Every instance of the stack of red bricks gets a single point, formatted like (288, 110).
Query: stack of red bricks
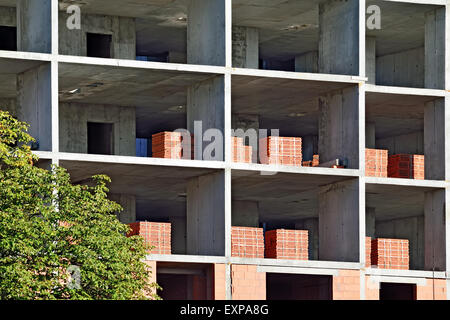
(409, 166)
(157, 235)
(170, 145)
(287, 244)
(247, 242)
(368, 252)
(239, 151)
(376, 163)
(314, 163)
(390, 253)
(285, 151)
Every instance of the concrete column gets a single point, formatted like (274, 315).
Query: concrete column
(177, 57)
(435, 243)
(128, 203)
(371, 59)
(435, 49)
(339, 126)
(206, 32)
(245, 47)
(307, 62)
(206, 215)
(178, 235)
(370, 135)
(370, 222)
(245, 214)
(247, 122)
(339, 221)
(34, 26)
(434, 140)
(34, 104)
(312, 225)
(309, 147)
(339, 37)
(206, 103)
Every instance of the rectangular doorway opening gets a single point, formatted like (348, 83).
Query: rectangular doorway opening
(397, 291)
(98, 45)
(298, 287)
(100, 138)
(8, 38)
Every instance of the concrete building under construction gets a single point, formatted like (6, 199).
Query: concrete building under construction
(354, 204)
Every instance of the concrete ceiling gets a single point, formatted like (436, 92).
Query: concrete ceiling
(395, 114)
(402, 26)
(160, 191)
(394, 202)
(7, 3)
(160, 96)
(282, 198)
(288, 105)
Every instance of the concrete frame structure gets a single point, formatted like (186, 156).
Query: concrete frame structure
(347, 72)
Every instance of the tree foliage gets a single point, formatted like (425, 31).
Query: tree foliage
(48, 227)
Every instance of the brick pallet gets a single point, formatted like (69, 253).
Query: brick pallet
(314, 163)
(408, 166)
(368, 252)
(287, 244)
(376, 163)
(170, 145)
(390, 253)
(239, 151)
(155, 234)
(247, 242)
(285, 151)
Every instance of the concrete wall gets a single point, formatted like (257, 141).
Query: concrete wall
(312, 225)
(34, 104)
(8, 17)
(403, 69)
(122, 29)
(245, 214)
(73, 119)
(307, 62)
(245, 47)
(128, 203)
(9, 105)
(434, 140)
(435, 49)
(407, 228)
(412, 143)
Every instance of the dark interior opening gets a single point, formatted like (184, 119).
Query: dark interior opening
(185, 281)
(397, 291)
(298, 287)
(8, 38)
(100, 138)
(99, 45)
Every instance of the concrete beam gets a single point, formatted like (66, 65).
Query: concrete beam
(34, 104)
(206, 32)
(339, 222)
(339, 126)
(178, 235)
(435, 49)
(434, 140)
(245, 47)
(435, 234)
(34, 25)
(206, 215)
(339, 37)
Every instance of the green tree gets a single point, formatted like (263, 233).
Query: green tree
(59, 240)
